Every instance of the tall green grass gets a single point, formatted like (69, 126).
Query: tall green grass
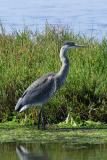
(25, 56)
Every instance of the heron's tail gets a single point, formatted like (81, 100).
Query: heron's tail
(19, 105)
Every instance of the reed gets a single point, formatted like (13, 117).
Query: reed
(25, 56)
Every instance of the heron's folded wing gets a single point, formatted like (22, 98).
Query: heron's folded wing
(40, 89)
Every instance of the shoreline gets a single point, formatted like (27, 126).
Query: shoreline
(16, 133)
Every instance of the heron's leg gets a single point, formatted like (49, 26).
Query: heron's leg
(43, 118)
(39, 118)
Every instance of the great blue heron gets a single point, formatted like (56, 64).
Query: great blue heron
(43, 88)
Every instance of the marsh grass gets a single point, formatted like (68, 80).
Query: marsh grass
(25, 56)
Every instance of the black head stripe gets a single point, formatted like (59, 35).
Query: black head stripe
(69, 43)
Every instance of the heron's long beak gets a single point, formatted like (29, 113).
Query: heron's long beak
(77, 46)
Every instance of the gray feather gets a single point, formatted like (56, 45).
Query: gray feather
(38, 92)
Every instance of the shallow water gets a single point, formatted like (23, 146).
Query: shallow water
(52, 151)
(85, 16)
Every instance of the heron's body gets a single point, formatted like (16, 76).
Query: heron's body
(43, 88)
(38, 92)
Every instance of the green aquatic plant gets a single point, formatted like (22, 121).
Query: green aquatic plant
(13, 132)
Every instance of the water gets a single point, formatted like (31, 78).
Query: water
(52, 151)
(85, 16)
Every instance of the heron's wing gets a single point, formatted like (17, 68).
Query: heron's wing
(36, 84)
(39, 90)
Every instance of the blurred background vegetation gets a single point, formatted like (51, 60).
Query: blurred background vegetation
(25, 56)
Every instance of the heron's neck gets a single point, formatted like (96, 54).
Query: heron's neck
(62, 74)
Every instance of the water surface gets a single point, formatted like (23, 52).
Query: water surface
(85, 16)
(52, 151)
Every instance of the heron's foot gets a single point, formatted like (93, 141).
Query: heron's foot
(42, 126)
(38, 126)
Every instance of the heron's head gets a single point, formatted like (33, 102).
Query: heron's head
(69, 44)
